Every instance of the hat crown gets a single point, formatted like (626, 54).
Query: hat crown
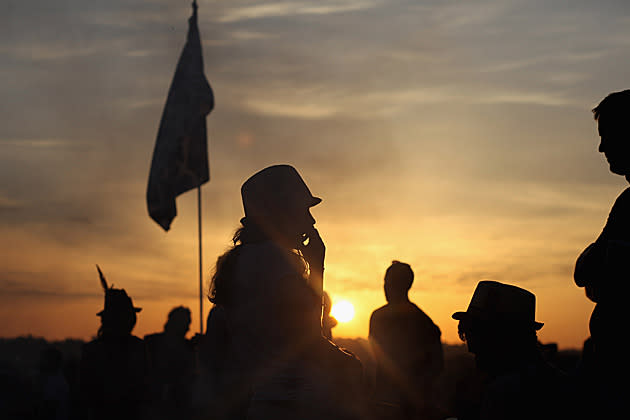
(117, 300)
(272, 188)
(494, 301)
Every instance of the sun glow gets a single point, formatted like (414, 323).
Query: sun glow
(343, 311)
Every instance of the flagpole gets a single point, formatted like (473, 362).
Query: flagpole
(200, 261)
(194, 6)
(190, 98)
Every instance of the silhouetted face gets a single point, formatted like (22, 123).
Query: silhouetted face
(181, 325)
(287, 223)
(296, 223)
(118, 323)
(483, 342)
(615, 144)
(396, 289)
(387, 288)
(393, 291)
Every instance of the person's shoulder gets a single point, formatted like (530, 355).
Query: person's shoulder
(382, 311)
(135, 343)
(623, 200)
(426, 320)
(378, 315)
(93, 345)
(151, 339)
(419, 313)
(136, 340)
(93, 349)
(618, 223)
(137, 347)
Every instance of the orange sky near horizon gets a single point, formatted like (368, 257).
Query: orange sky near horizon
(354, 272)
(77, 319)
(454, 136)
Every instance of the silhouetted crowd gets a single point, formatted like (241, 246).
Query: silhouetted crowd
(268, 350)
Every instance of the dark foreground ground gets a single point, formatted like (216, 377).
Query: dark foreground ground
(20, 378)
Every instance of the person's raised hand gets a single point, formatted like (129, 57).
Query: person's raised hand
(314, 251)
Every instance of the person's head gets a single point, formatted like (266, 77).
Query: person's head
(178, 322)
(613, 123)
(277, 201)
(50, 360)
(498, 326)
(118, 318)
(398, 281)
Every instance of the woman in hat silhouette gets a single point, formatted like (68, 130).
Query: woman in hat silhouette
(269, 289)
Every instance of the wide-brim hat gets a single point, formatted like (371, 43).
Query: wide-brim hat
(273, 188)
(117, 300)
(498, 302)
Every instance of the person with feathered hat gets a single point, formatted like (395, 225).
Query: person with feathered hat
(113, 365)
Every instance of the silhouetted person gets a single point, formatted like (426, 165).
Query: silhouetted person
(171, 363)
(54, 389)
(499, 329)
(604, 266)
(268, 291)
(113, 366)
(219, 390)
(328, 322)
(407, 347)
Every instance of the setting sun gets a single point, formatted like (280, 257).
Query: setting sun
(343, 311)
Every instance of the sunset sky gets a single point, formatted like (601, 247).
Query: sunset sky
(454, 136)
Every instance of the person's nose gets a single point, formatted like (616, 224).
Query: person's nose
(601, 148)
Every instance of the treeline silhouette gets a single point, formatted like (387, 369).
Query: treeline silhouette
(21, 378)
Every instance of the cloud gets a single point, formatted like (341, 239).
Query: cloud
(9, 203)
(283, 9)
(533, 98)
(292, 110)
(37, 143)
(318, 103)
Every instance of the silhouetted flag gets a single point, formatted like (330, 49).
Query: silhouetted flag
(180, 157)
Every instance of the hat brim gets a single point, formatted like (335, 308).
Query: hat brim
(103, 311)
(467, 315)
(460, 315)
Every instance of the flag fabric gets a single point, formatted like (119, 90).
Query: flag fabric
(180, 156)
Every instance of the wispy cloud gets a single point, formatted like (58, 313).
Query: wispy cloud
(524, 97)
(251, 35)
(9, 203)
(282, 9)
(388, 103)
(294, 110)
(37, 143)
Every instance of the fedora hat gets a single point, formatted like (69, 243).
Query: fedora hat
(270, 189)
(494, 301)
